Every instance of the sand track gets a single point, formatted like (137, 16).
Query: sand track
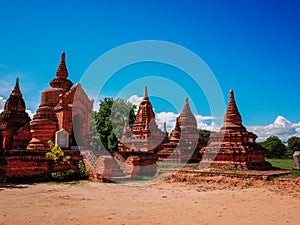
(149, 203)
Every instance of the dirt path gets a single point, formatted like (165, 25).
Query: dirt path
(140, 203)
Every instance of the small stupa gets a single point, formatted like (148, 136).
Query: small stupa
(184, 140)
(233, 147)
(13, 118)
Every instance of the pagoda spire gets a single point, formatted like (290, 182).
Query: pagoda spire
(186, 111)
(62, 71)
(145, 93)
(232, 116)
(186, 116)
(144, 116)
(186, 104)
(13, 117)
(16, 91)
(165, 127)
(15, 100)
(61, 80)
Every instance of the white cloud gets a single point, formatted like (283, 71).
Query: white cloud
(281, 127)
(30, 113)
(170, 119)
(96, 105)
(135, 100)
(204, 118)
(205, 126)
(2, 103)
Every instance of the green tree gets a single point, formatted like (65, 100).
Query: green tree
(107, 124)
(275, 147)
(293, 145)
(204, 136)
(96, 143)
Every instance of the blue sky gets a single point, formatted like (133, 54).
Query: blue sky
(252, 47)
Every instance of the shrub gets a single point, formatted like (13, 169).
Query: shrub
(57, 156)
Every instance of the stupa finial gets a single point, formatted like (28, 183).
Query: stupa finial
(232, 115)
(62, 71)
(145, 92)
(16, 91)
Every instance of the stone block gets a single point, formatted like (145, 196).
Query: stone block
(296, 157)
(62, 138)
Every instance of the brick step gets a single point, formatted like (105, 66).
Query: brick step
(116, 170)
(117, 173)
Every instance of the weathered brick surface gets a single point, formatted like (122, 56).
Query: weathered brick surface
(234, 147)
(184, 144)
(61, 107)
(144, 140)
(12, 120)
(31, 166)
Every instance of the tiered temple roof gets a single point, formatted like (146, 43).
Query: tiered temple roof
(145, 135)
(233, 147)
(13, 117)
(184, 143)
(56, 111)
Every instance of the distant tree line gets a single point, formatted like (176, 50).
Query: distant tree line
(277, 149)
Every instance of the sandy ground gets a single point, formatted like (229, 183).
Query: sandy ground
(150, 203)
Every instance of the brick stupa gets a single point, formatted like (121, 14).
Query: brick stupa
(233, 147)
(24, 144)
(144, 140)
(184, 142)
(58, 111)
(145, 136)
(14, 121)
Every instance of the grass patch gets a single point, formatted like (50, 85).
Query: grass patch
(215, 170)
(285, 164)
(295, 173)
(145, 178)
(141, 179)
(168, 165)
(281, 163)
(165, 165)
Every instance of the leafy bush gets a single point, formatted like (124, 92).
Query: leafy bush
(84, 173)
(57, 156)
(63, 175)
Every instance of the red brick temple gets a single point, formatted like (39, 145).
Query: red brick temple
(184, 143)
(60, 109)
(14, 122)
(144, 140)
(233, 147)
(24, 145)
